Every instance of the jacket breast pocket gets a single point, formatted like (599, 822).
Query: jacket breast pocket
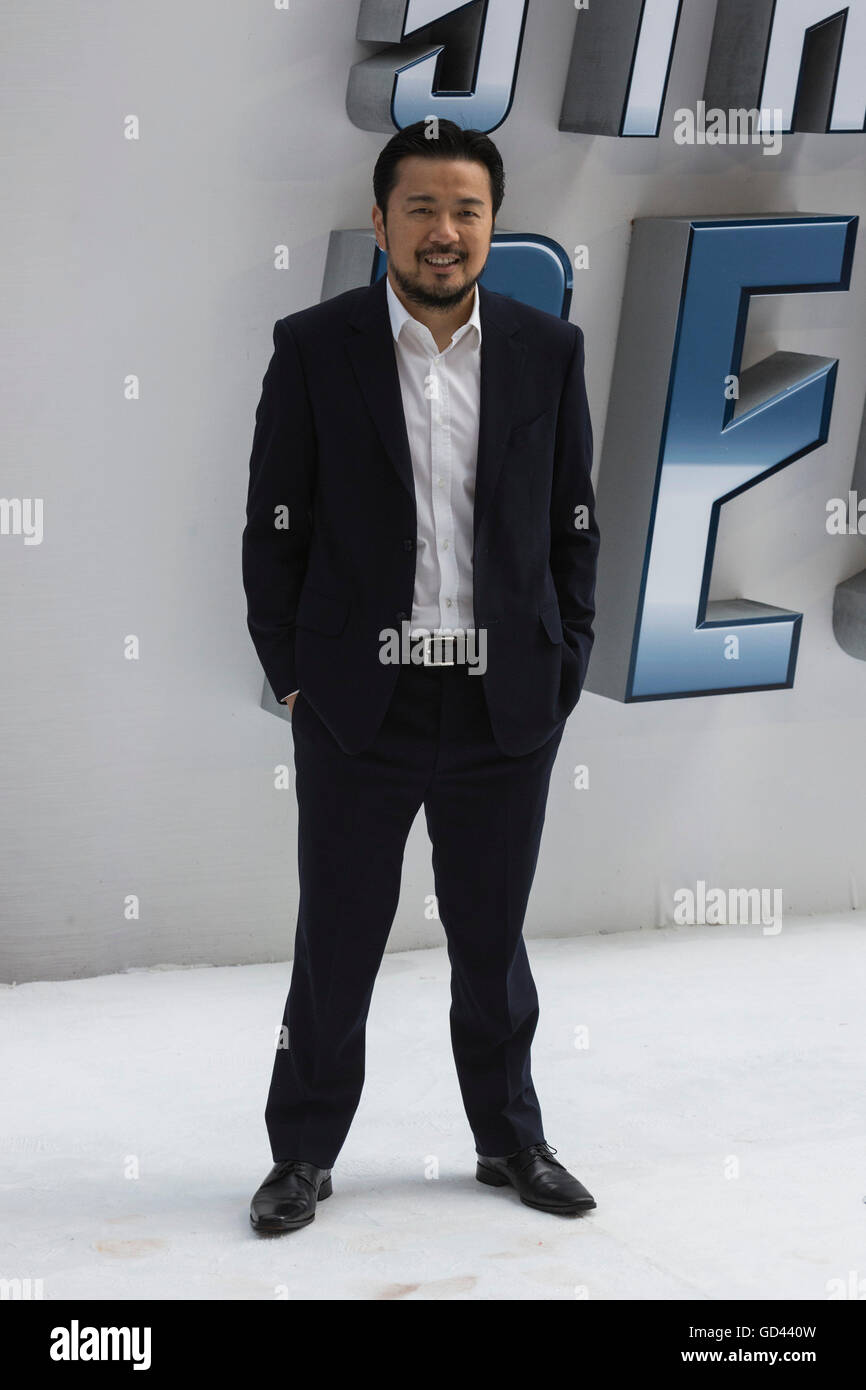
(550, 617)
(322, 612)
(527, 428)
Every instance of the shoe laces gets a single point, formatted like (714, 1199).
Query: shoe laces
(541, 1150)
(287, 1166)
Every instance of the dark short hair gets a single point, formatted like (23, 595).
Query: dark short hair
(450, 142)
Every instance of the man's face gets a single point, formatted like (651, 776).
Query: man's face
(439, 209)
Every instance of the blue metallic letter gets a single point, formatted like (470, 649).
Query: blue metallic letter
(802, 57)
(620, 63)
(676, 448)
(449, 60)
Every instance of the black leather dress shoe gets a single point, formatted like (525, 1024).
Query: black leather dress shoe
(287, 1198)
(538, 1178)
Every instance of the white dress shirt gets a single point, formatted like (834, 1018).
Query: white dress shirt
(441, 394)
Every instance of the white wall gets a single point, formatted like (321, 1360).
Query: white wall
(155, 777)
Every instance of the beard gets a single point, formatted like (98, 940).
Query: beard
(446, 297)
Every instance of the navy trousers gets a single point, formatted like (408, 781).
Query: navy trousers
(485, 813)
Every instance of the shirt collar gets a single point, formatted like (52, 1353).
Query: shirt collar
(400, 314)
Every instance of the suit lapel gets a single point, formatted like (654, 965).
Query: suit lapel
(370, 345)
(371, 348)
(503, 356)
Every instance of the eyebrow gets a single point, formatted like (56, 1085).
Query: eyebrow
(431, 198)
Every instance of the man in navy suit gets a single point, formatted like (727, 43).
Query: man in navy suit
(419, 562)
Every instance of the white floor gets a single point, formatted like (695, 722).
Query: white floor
(717, 1115)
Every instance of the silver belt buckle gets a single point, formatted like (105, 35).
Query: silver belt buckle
(428, 649)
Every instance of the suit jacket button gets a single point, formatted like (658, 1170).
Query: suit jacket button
(408, 544)
(402, 617)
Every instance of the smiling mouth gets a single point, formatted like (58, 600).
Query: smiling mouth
(441, 262)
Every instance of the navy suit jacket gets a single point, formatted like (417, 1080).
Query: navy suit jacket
(330, 446)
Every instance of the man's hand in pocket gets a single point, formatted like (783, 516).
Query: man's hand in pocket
(290, 701)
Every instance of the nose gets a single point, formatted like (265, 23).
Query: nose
(444, 233)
